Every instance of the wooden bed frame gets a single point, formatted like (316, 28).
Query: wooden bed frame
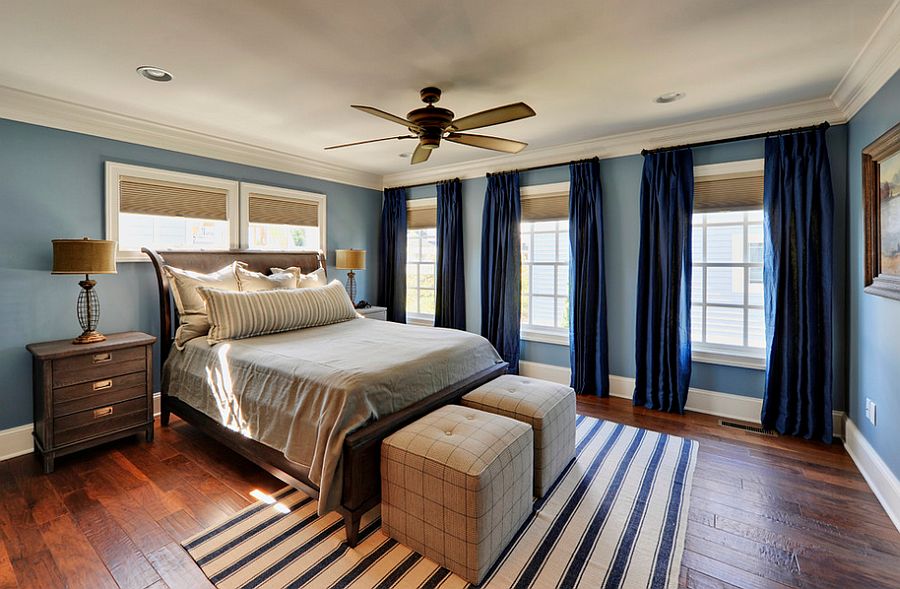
(361, 485)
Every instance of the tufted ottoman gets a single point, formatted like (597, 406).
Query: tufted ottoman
(547, 407)
(456, 486)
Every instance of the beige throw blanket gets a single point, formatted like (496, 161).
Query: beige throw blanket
(301, 392)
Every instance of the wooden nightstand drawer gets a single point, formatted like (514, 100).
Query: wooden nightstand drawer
(97, 366)
(102, 399)
(100, 421)
(89, 394)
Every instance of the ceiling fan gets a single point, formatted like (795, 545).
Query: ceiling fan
(430, 124)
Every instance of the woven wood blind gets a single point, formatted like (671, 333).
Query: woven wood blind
(421, 217)
(728, 192)
(146, 196)
(550, 207)
(265, 208)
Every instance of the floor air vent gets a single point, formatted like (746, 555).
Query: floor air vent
(748, 427)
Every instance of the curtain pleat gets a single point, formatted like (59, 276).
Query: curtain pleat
(799, 222)
(501, 271)
(392, 255)
(663, 332)
(588, 350)
(450, 296)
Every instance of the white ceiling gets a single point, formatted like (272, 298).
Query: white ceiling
(281, 74)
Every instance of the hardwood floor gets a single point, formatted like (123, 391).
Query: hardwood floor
(765, 512)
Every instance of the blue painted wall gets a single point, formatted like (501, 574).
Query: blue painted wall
(52, 186)
(874, 321)
(620, 179)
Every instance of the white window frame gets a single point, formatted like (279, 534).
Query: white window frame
(422, 318)
(547, 335)
(721, 354)
(115, 170)
(247, 188)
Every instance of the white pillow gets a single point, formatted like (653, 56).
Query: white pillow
(311, 280)
(250, 281)
(191, 306)
(237, 315)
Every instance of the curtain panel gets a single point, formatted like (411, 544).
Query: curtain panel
(450, 279)
(392, 255)
(501, 271)
(798, 203)
(663, 332)
(588, 350)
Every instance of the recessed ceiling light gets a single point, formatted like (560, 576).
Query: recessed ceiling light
(669, 97)
(404, 154)
(156, 74)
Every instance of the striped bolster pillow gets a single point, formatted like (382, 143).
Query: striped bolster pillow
(237, 315)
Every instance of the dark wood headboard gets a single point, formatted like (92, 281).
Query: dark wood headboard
(210, 261)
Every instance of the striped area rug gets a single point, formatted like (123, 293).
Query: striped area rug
(615, 519)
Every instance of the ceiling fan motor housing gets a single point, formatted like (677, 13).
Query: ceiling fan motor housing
(432, 122)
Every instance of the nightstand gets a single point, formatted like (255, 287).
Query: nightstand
(374, 312)
(88, 394)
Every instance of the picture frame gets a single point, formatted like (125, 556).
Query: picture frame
(881, 209)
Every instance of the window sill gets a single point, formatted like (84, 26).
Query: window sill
(706, 356)
(426, 320)
(559, 338)
(131, 256)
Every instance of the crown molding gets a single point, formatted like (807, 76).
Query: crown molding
(798, 114)
(878, 60)
(37, 109)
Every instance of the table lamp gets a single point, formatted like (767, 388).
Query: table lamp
(350, 260)
(85, 256)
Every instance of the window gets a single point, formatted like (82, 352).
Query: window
(160, 209)
(545, 263)
(421, 252)
(282, 219)
(727, 318)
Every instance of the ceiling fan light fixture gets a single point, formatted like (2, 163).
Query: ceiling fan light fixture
(154, 74)
(669, 97)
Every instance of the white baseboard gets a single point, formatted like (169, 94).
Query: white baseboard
(699, 400)
(882, 481)
(16, 441)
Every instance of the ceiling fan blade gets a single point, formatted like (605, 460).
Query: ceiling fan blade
(386, 115)
(420, 155)
(494, 116)
(487, 142)
(371, 141)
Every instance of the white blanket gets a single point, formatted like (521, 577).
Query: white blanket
(302, 392)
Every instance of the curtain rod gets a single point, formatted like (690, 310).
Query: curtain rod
(531, 169)
(824, 125)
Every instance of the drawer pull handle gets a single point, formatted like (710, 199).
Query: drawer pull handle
(102, 384)
(101, 358)
(104, 412)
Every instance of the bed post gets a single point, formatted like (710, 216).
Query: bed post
(351, 526)
(165, 326)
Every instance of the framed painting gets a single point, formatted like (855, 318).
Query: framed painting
(881, 207)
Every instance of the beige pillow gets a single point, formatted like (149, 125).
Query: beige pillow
(190, 304)
(311, 280)
(237, 315)
(250, 281)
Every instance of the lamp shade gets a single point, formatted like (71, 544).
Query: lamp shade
(350, 259)
(84, 256)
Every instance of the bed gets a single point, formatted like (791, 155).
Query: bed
(322, 432)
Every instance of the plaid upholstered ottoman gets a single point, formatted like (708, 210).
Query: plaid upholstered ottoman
(547, 407)
(456, 486)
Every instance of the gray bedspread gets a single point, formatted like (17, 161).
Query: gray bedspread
(302, 392)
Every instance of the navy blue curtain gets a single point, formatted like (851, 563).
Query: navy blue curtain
(450, 280)
(799, 219)
(663, 335)
(501, 271)
(588, 352)
(392, 255)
